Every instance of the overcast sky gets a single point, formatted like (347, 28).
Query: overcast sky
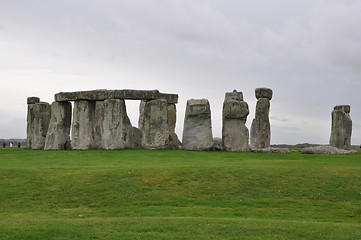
(307, 51)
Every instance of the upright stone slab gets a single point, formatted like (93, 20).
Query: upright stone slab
(155, 131)
(260, 128)
(58, 135)
(38, 124)
(341, 129)
(83, 125)
(197, 130)
(116, 125)
(31, 101)
(141, 114)
(99, 125)
(235, 135)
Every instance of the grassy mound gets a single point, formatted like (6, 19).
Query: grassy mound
(140, 194)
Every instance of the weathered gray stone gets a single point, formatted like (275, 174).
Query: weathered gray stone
(264, 93)
(235, 135)
(173, 142)
(141, 114)
(99, 124)
(197, 130)
(116, 125)
(135, 138)
(273, 150)
(33, 100)
(58, 135)
(327, 150)
(217, 144)
(38, 123)
(172, 117)
(260, 128)
(341, 129)
(155, 131)
(83, 125)
(102, 94)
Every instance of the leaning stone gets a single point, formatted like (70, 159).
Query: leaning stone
(345, 108)
(116, 125)
(155, 131)
(83, 125)
(327, 150)
(260, 128)
(38, 124)
(264, 93)
(197, 132)
(58, 135)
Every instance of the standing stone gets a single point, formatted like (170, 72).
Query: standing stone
(235, 135)
(116, 125)
(197, 132)
(31, 101)
(83, 125)
(58, 137)
(99, 124)
(155, 130)
(38, 123)
(341, 129)
(141, 114)
(260, 128)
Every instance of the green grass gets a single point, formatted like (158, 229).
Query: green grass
(140, 194)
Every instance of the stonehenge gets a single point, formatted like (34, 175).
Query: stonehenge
(260, 128)
(98, 119)
(235, 135)
(341, 127)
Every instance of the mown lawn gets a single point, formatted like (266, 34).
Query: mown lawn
(140, 194)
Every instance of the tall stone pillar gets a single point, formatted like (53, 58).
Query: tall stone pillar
(83, 125)
(38, 122)
(116, 125)
(31, 101)
(197, 129)
(260, 128)
(99, 124)
(155, 130)
(341, 129)
(141, 114)
(58, 135)
(235, 135)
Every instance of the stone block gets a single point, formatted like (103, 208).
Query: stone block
(263, 93)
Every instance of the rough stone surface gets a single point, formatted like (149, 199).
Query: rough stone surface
(217, 144)
(116, 125)
(83, 125)
(141, 114)
(38, 123)
(197, 129)
(33, 100)
(58, 135)
(260, 128)
(273, 150)
(264, 93)
(102, 94)
(173, 142)
(172, 117)
(99, 124)
(235, 135)
(327, 150)
(341, 129)
(155, 131)
(135, 138)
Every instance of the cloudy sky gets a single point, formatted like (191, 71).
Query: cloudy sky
(307, 51)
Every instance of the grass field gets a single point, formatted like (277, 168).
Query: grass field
(140, 194)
